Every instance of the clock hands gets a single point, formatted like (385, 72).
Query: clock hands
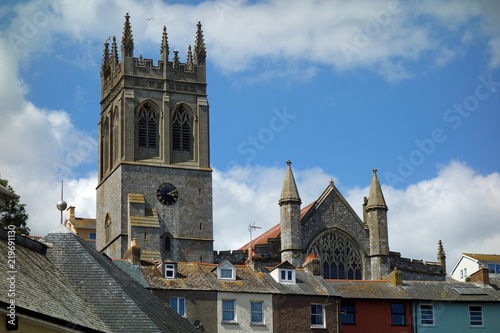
(172, 192)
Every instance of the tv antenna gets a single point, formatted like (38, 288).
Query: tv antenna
(61, 205)
(251, 227)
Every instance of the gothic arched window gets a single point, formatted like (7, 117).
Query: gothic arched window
(181, 131)
(147, 127)
(339, 258)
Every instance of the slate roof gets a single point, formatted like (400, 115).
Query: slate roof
(415, 290)
(305, 284)
(200, 276)
(42, 290)
(120, 301)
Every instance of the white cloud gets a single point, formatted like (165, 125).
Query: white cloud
(385, 38)
(458, 206)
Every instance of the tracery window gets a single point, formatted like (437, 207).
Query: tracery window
(147, 126)
(181, 131)
(339, 258)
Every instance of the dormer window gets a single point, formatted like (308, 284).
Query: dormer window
(284, 273)
(170, 271)
(287, 275)
(226, 271)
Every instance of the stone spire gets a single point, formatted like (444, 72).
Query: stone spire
(200, 52)
(289, 192)
(114, 54)
(164, 45)
(290, 220)
(376, 219)
(127, 40)
(375, 198)
(105, 67)
(441, 256)
(189, 59)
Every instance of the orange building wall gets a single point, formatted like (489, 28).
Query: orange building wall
(375, 316)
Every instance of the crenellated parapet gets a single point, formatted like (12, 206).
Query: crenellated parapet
(169, 76)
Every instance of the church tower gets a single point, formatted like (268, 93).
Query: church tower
(291, 234)
(376, 213)
(155, 180)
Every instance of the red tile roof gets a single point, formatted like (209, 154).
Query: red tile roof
(274, 232)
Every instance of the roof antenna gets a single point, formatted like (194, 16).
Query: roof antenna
(251, 227)
(61, 205)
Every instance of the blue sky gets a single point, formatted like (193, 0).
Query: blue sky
(338, 87)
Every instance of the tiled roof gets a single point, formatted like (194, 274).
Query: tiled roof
(82, 222)
(305, 284)
(43, 289)
(122, 303)
(414, 290)
(199, 276)
(274, 232)
(485, 257)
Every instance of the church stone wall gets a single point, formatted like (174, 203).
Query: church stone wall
(416, 270)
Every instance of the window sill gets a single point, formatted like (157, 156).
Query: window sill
(258, 324)
(230, 323)
(319, 327)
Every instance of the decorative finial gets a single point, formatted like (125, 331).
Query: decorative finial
(200, 52)
(114, 53)
(164, 43)
(288, 162)
(105, 67)
(374, 170)
(331, 181)
(190, 59)
(127, 40)
(176, 63)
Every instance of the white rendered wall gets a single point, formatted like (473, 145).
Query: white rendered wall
(242, 318)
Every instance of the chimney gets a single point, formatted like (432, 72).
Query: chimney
(256, 263)
(482, 275)
(312, 264)
(133, 254)
(396, 277)
(71, 212)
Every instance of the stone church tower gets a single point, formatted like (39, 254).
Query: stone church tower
(155, 180)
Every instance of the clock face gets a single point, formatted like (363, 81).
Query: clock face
(167, 194)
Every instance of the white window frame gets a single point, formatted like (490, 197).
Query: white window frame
(289, 275)
(422, 319)
(233, 310)
(475, 321)
(320, 315)
(177, 305)
(261, 312)
(170, 268)
(225, 270)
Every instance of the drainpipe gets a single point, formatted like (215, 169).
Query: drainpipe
(415, 317)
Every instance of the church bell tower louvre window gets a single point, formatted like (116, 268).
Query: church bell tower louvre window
(181, 131)
(147, 127)
(339, 258)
